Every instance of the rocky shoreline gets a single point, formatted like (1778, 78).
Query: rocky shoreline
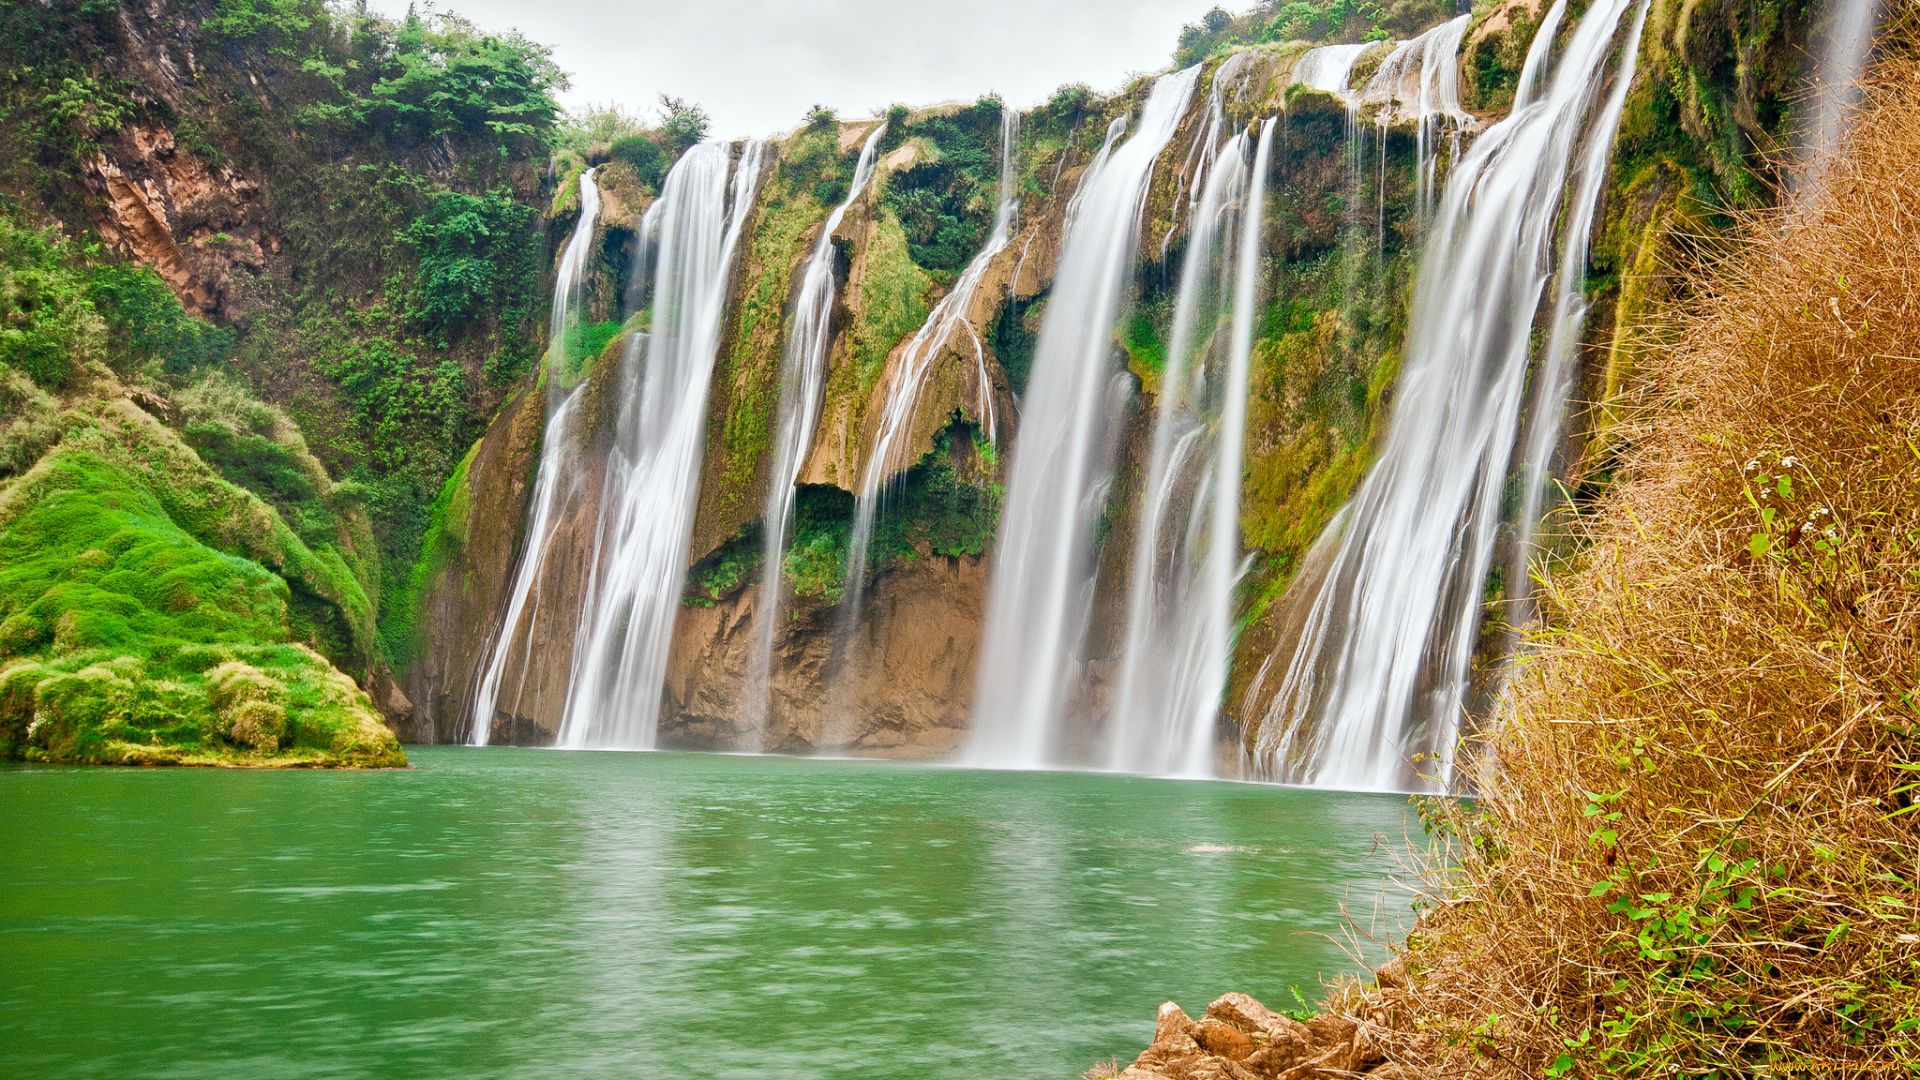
(1240, 1039)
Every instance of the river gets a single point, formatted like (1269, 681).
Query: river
(526, 913)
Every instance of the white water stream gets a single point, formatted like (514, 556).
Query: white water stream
(653, 474)
(1187, 549)
(557, 482)
(1375, 687)
(1843, 43)
(1040, 596)
(803, 380)
(1329, 68)
(889, 455)
(1419, 83)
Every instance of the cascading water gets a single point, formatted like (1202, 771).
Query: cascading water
(1206, 145)
(646, 517)
(1329, 68)
(1187, 553)
(803, 378)
(1845, 39)
(1376, 682)
(1039, 600)
(889, 453)
(557, 482)
(1419, 83)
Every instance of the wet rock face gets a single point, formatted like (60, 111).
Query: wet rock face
(902, 685)
(1241, 1039)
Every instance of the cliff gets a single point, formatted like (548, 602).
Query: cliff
(1343, 235)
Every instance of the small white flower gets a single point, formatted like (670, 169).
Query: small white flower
(1789, 461)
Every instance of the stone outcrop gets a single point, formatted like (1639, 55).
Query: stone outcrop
(902, 685)
(1240, 1039)
(199, 226)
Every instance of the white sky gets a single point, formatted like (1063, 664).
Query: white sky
(757, 65)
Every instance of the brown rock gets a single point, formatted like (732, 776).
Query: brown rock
(1279, 1041)
(1219, 1068)
(1218, 1037)
(1172, 1021)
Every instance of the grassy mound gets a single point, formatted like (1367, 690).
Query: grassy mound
(1698, 851)
(126, 638)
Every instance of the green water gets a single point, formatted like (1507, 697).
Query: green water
(525, 913)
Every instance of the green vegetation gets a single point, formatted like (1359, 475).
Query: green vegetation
(63, 304)
(126, 640)
(945, 504)
(791, 203)
(399, 167)
(166, 594)
(892, 302)
(1307, 20)
(470, 250)
(727, 568)
(815, 562)
(945, 201)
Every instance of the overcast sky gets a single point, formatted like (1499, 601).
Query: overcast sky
(757, 65)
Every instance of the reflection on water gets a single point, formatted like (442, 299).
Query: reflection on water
(520, 913)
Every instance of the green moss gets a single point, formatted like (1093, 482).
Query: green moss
(945, 504)
(815, 562)
(726, 569)
(115, 621)
(446, 537)
(752, 372)
(892, 301)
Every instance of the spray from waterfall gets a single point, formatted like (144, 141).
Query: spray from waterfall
(803, 379)
(653, 473)
(1187, 550)
(1039, 600)
(889, 454)
(1844, 42)
(1376, 683)
(556, 485)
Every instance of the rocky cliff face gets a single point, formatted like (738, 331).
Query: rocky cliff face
(1343, 232)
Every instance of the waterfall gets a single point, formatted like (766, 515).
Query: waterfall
(803, 378)
(1039, 600)
(1206, 145)
(1329, 68)
(888, 457)
(1845, 40)
(1187, 550)
(1375, 686)
(557, 482)
(653, 473)
(1419, 83)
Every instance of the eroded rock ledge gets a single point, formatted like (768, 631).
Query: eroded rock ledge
(1241, 1039)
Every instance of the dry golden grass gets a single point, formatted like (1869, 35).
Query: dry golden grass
(1699, 849)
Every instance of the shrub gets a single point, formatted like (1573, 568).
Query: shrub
(1694, 852)
(470, 247)
(682, 123)
(641, 152)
